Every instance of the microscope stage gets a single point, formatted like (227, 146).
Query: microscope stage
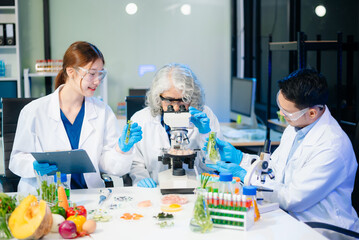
(177, 184)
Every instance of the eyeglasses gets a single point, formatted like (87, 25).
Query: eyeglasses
(170, 101)
(91, 75)
(296, 115)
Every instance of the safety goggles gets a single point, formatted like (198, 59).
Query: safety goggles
(91, 75)
(172, 101)
(296, 115)
(292, 116)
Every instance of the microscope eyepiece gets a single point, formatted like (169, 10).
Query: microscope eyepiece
(170, 108)
(182, 108)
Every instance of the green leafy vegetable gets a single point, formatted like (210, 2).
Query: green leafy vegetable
(201, 215)
(164, 224)
(163, 215)
(7, 206)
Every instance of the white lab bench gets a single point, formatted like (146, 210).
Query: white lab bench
(272, 225)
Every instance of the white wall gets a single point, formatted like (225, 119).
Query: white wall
(157, 34)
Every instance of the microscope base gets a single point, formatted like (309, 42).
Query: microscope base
(170, 184)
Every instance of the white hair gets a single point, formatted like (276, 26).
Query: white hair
(183, 79)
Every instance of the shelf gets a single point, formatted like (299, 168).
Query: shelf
(276, 125)
(8, 47)
(8, 79)
(43, 74)
(7, 7)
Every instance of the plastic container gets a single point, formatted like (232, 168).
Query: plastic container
(62, 181)
(250, 200)
(2, 68)
(225, 182)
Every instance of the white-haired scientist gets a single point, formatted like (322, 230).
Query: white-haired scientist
(173, 84)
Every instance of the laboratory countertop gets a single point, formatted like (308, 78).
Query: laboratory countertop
(240, 137)
(272, 225)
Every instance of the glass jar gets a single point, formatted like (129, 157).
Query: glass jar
(201, 220)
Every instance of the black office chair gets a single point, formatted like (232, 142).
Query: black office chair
(11, 108)
(355, 194)
(134, 104)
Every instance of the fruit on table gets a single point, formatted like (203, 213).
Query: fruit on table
(79, 220)
(67, 230)
(32, 219)
(58, 210)
(79, 210)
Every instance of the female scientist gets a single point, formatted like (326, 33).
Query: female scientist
(71, 118)
(173, 84)
(314, 165)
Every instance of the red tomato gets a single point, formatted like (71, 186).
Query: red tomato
(79, 210)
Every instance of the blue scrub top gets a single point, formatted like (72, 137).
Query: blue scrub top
(73, 133)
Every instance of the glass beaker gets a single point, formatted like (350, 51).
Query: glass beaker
(46, 188)
(201, 220)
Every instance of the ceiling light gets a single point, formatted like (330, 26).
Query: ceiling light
(186, 9)
(320, 11)
(131, 8)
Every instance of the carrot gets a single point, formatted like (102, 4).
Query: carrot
(61, 195)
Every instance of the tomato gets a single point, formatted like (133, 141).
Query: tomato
(79, 210)
(58, 210)
(79, 220)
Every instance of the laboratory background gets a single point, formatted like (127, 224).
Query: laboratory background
(238, 50)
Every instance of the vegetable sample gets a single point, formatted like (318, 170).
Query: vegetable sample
(7, 205)
(32, 219)
(67, 230)
(58, 210)
(47, 192)
(129, 122)
(163, 215)
(62, 198)
(77, 210)
(212, 152)
(79, 220)
(201, 220)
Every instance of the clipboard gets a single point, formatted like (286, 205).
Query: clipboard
(74, 161)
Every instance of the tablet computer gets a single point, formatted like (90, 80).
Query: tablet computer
(74, 161)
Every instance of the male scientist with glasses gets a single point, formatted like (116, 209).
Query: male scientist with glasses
(314, 165)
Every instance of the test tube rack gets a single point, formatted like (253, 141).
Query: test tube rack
(233, 219)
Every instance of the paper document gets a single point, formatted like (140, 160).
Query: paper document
(74, 161)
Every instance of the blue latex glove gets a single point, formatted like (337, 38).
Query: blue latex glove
(227, 151)
(43, 168)
(235, 169)
(135, 136)
(200, 120)
(147, 183)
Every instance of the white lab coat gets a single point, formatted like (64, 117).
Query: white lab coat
(317, 182)
(145, 161)
(40, 129)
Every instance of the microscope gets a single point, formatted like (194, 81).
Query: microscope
(176, 179)
(260, 165)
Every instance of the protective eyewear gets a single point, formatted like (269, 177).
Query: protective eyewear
(91, 75)
(171, 101)
(292, 116)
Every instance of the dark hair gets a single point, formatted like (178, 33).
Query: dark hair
(77, 55)
(305, 87)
